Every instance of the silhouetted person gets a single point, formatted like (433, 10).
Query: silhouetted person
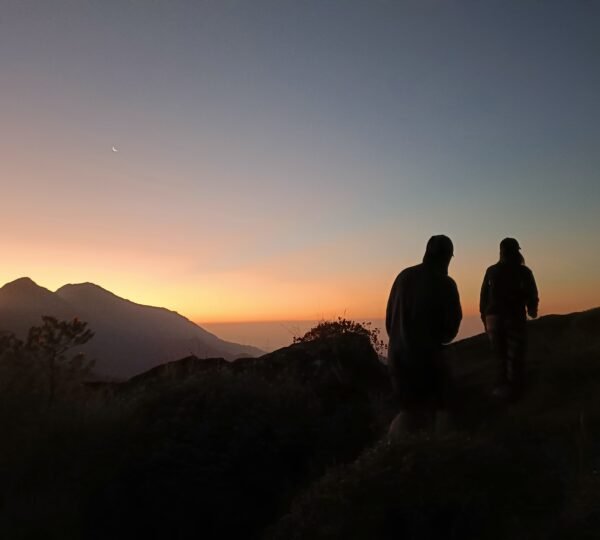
(423, 313)
(508, 295)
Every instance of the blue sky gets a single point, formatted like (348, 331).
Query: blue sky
(286, 159)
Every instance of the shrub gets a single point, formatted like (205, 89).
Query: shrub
(341, 326)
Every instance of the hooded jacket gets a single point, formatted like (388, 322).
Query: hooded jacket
(423, 313)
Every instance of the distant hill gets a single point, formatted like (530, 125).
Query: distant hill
(129, 338)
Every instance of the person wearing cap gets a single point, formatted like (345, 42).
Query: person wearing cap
(423, 313)
(508, 294)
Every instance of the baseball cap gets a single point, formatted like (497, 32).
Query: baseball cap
(510, 244)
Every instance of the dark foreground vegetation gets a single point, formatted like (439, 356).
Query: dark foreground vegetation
(292, 445)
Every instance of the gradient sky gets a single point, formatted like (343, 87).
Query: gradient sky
(286, 159)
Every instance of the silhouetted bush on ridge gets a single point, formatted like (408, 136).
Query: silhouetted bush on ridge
(342, 326)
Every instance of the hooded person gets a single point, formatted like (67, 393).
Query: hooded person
(508, 294)
(423, 314)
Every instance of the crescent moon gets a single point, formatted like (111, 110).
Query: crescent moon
(115, 149)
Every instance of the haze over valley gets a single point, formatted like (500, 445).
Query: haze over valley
(272, 335)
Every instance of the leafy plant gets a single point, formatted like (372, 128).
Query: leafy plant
(41, 361)
(341, 326)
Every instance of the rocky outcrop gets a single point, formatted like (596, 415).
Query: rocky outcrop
(345, 361)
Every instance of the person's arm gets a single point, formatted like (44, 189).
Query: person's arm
(391, 307)
(484, 297)
(453, 315)
(533, 299)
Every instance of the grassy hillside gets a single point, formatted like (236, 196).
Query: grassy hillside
(292, 445)
(529, 469)
(193, 448)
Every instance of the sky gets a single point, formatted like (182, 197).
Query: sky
(286, 159)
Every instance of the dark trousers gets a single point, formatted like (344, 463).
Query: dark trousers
(421, 379)
(508, 339)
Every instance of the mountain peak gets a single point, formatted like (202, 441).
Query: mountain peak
(87, 292)
(22, 281)
(22, 285)
(86, 286)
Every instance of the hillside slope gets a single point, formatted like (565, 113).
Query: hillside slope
(523, 470)
(293, 445)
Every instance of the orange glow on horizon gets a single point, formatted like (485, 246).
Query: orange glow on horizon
(295, 286)
(247, 298)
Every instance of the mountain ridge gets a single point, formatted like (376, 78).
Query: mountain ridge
(129, 337)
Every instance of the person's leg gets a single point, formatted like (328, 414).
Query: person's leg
(496, 331)
(405, 422)
(516, 351)
(418, 409)
(442, 395)
(413, 383)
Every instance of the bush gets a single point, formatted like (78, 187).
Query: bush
(329, 329)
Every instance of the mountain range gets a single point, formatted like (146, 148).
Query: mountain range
(129, 338)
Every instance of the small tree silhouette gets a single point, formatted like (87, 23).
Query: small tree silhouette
(45, 349)
(52, 340)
